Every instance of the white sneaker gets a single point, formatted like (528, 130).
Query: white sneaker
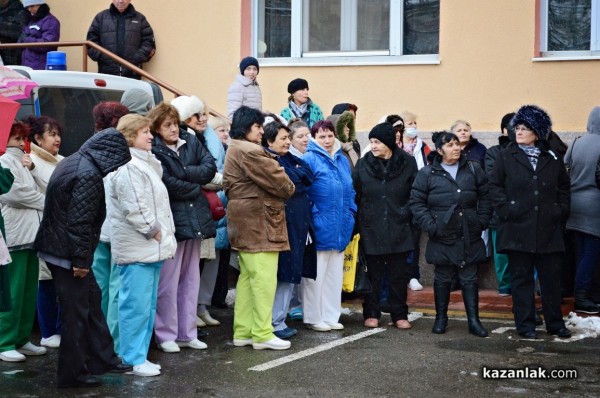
(156, 365)
(319, 327)
(195, 344)
(12, 356)
(200, 323)
(145, 370)
(169, 346)
(52, 341)
(242, 342)
(414, 284)
(208, 320)
(335, 325)
(31, 349)
(274, 344)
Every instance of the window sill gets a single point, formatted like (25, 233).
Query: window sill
(586, 56)
(351, 61)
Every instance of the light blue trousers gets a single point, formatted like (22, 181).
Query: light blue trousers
(137, 309)
(281, 305)
(107, 276)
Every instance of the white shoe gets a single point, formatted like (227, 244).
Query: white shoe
(274, 344)
(12, 356)
(31, 349)
(414, 284)
(200, 323)
(145, 370)
(195, 344)
(242, 342)
(169, 346)
(52, 341)
(335, 325)
(319, 327)
(157, 366)
(208, 320)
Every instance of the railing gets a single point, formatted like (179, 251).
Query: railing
(87, 44)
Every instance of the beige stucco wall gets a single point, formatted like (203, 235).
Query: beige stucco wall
(485, 70)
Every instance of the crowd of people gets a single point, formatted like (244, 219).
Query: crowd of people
(132, 236)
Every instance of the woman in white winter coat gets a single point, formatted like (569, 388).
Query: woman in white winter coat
(245, 89)
(22, 210)
(45, 138)
(142, 235)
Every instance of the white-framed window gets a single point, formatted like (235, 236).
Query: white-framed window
(345, 31)
(570, 29)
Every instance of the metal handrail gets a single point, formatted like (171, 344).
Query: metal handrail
(85, 45)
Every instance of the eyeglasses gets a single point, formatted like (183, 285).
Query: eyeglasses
(522, 128)
(200, 115)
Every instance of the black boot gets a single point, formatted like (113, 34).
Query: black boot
(441, 295)
(470, 293)
(584, 304)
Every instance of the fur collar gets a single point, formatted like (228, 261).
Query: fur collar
(345, 119)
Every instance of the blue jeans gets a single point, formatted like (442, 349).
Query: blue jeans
(48, 309)
(588, 258)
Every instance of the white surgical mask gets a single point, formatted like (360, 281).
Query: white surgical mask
(411, 132)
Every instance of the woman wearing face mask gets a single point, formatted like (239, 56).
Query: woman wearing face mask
(245, 89)
(473, 149)
(333, 210)
(411, 142)
(300, 105)
(450, 201)
(301, 260)
(45, 138)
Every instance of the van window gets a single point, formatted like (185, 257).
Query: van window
(72, 107)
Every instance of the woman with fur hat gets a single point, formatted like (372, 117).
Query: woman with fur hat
(300, 105)
(530, 193)
(40, 27)
(245, 89)
(450, 201)
(382, 181)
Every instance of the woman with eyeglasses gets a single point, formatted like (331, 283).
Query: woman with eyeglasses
(530, 191)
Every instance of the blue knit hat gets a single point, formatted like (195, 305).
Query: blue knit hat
(534, 118)
(248, 61)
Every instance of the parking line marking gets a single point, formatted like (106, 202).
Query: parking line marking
(315, 350)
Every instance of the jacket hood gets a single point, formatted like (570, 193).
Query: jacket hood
(137, 101)
(245, 81)
(593, 125)
(314, 146)
(345, 119)
(107, 149)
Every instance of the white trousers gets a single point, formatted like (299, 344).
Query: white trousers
(322, 297)
(208, 279)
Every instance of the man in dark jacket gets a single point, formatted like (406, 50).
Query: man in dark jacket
(125, 32)
(12, 20)
(68, 234)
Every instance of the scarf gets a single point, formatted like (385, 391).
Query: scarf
(299, 110)
(532, 153)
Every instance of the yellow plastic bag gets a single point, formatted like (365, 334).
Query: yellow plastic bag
(350, 261)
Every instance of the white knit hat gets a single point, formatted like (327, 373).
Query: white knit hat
(27, 3)
(187, 106)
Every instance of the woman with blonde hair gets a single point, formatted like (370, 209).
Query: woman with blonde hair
(142, 236)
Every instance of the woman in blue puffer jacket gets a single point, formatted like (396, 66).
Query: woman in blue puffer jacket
(333, 210)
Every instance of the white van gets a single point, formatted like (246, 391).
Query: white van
(69, 97)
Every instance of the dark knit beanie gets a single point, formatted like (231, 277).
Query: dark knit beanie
(534, 118)
(248, 61)
(385, 133)
(297, 84)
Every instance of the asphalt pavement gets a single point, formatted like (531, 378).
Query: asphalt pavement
(354, 362)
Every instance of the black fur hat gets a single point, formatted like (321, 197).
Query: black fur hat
(534, 118)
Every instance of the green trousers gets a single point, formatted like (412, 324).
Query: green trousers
(107, 276)
(254, 295)
(16, 325)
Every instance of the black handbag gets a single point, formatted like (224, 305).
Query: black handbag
(362, 285)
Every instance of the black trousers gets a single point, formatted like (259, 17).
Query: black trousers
(466, 274)
(86, 345)
(413, 267)
(522, 283)
(394, 266)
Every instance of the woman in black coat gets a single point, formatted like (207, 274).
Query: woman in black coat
(450, 201)
(301, 260)
(530, 190)
(382, 181)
